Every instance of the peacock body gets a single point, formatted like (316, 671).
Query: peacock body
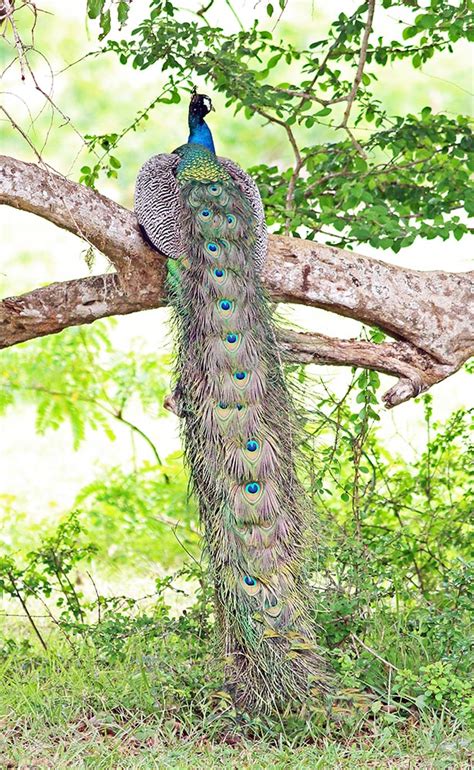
(238, 424)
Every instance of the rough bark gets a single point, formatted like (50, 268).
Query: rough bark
(70, 303)
(428, 312)
(417, 371)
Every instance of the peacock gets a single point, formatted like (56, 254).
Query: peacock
(239, 429)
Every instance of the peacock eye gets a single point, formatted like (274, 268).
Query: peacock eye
(205, 213)
(223, 405)
(225, 304)
(218, 272)
(252, 445)
(215, 189)
(249, 580)
(240, 376)
(252, 488)
(231, 338)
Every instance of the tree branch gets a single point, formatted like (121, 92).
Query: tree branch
(428, 311)
(358, 77)
(71, 303)
(361, 65)
(96, 219)
(416, 370)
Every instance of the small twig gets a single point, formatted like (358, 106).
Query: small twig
(205, 8)
(18, 41)
(77, 61)
(299, 161)
(174, 523)
(23, 134)
(27, 612)
(279, 122)
(361, 65)
(375, 654)
(354, 141)
(141, 433)
(282, 11)
(234, 13)
(99, 614)
(309, 96)
(290, 194)
(57, 623)
(186, 550)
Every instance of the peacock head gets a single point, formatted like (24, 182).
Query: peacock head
(199, 106)
(199, 132)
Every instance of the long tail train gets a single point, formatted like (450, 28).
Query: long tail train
(238, 423)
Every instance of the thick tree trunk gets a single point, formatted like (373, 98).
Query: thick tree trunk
(430, 313)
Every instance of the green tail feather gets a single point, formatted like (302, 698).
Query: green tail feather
(240, 435)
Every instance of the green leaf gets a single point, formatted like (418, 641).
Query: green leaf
(114, 162)
(123, 11)
(269, 9)
(273, 61)
(105, 23)
(409, 32)
(426, 21)
(94, 8)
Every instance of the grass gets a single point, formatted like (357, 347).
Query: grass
(60, 710)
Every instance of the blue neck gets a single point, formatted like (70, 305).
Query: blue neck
(200, 134)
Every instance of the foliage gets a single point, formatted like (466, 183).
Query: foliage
(407, 178)
(72, 710)
(78, 377)
(142, 514)
(50, 575)
(392, 576)
(103, 10)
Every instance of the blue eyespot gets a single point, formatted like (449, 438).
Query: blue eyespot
(250, 581)
(223, 405)
(239, 407)
(212, 247)
(252, 445)
(218, 272)
(205, 213)
(216, 189)
(240, 375)
(225, 304)
(252, 488)
(231, 338)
